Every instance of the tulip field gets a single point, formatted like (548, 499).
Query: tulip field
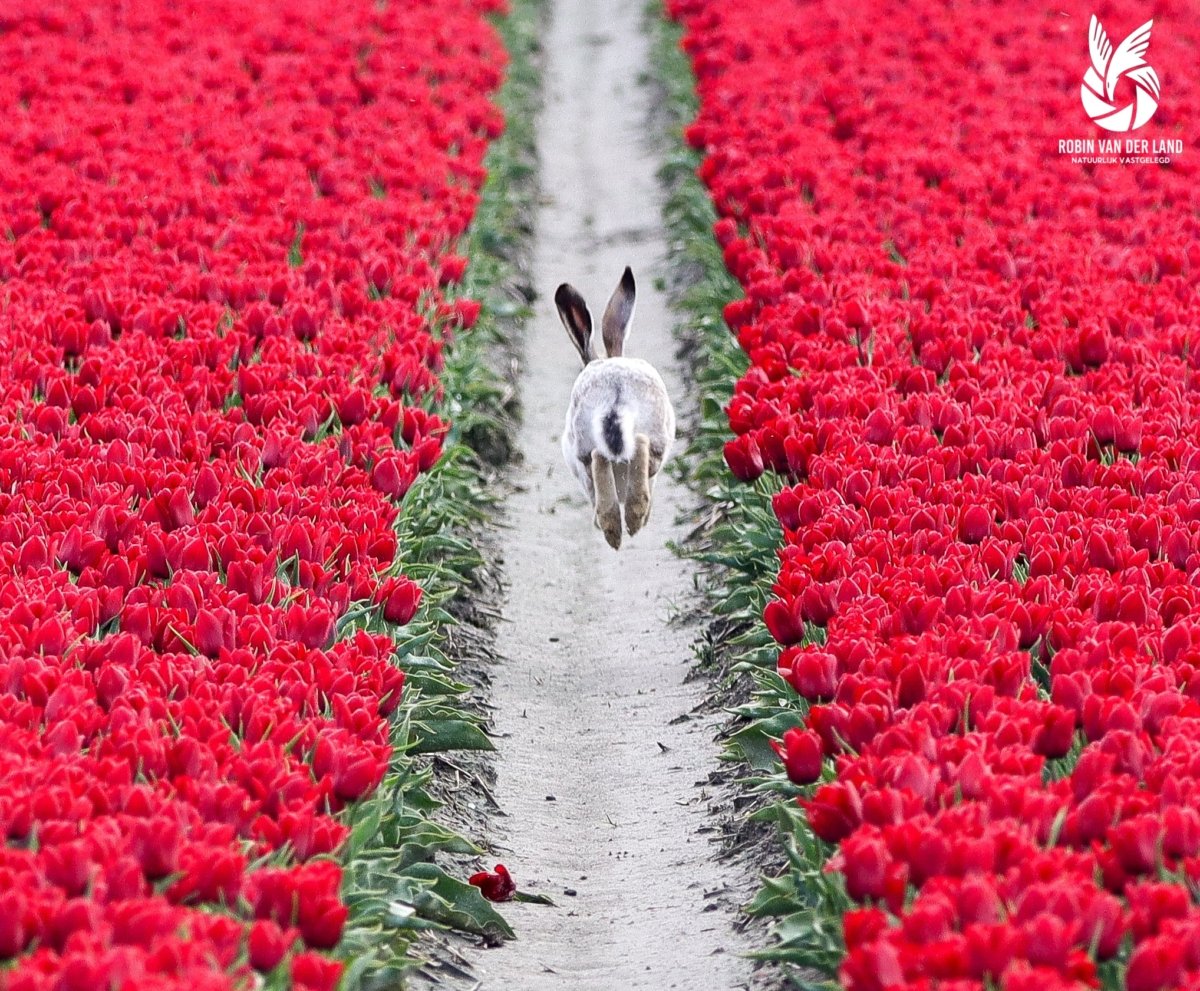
(973, 387)
(227, 229)
(963, 435)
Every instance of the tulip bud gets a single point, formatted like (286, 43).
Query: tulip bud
(801, 755)
(1155, 964)
(400, 598)
(784, 621)
(974, 524)
(744, 458)
(315, 972)
(812, 673)
(834, 812)
(865, 864)
(268, 944)
(451, 269)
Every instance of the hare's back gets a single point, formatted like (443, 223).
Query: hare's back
(629, 378)
(629, 386)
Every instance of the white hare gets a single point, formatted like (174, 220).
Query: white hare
(620, 424)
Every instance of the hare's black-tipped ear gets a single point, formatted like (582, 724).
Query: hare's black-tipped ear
(576, 318)
(618, 314)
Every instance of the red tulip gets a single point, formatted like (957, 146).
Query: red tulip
(834, 811)
(744, 458)
(975, 524)
(1056, 735)
(865, 866)
(451, 269)
(873, 967)
(314, 972)
(1154, 965)
(1181, 831)
(354, 779)
(784, 620)
(13, 933)
(1135, 843)
(801, 755)
(321, 923)
(1103, 924)
(268, 944)
(813, 674)
(393, 474)
(495, 886)
(400, 597)
(466, 312)
(929, 920)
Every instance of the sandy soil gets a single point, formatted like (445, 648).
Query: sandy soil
(601, 762)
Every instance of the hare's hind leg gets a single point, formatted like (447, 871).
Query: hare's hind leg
(622, 475)
(637, 498)
(608, 509)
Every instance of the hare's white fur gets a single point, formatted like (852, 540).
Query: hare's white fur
(620, 425)
(633, 390)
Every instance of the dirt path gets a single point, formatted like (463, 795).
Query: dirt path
(598, 774)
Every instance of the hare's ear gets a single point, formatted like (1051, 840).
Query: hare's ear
(618, 314)
(576, 318)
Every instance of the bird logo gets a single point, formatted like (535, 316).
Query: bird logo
(1108, 68)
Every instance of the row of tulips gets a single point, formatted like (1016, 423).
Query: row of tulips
(973, 369)
(227, 231)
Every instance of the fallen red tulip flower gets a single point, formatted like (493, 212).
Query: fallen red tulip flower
(495, 886)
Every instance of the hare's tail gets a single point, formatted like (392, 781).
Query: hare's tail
(614, 433)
